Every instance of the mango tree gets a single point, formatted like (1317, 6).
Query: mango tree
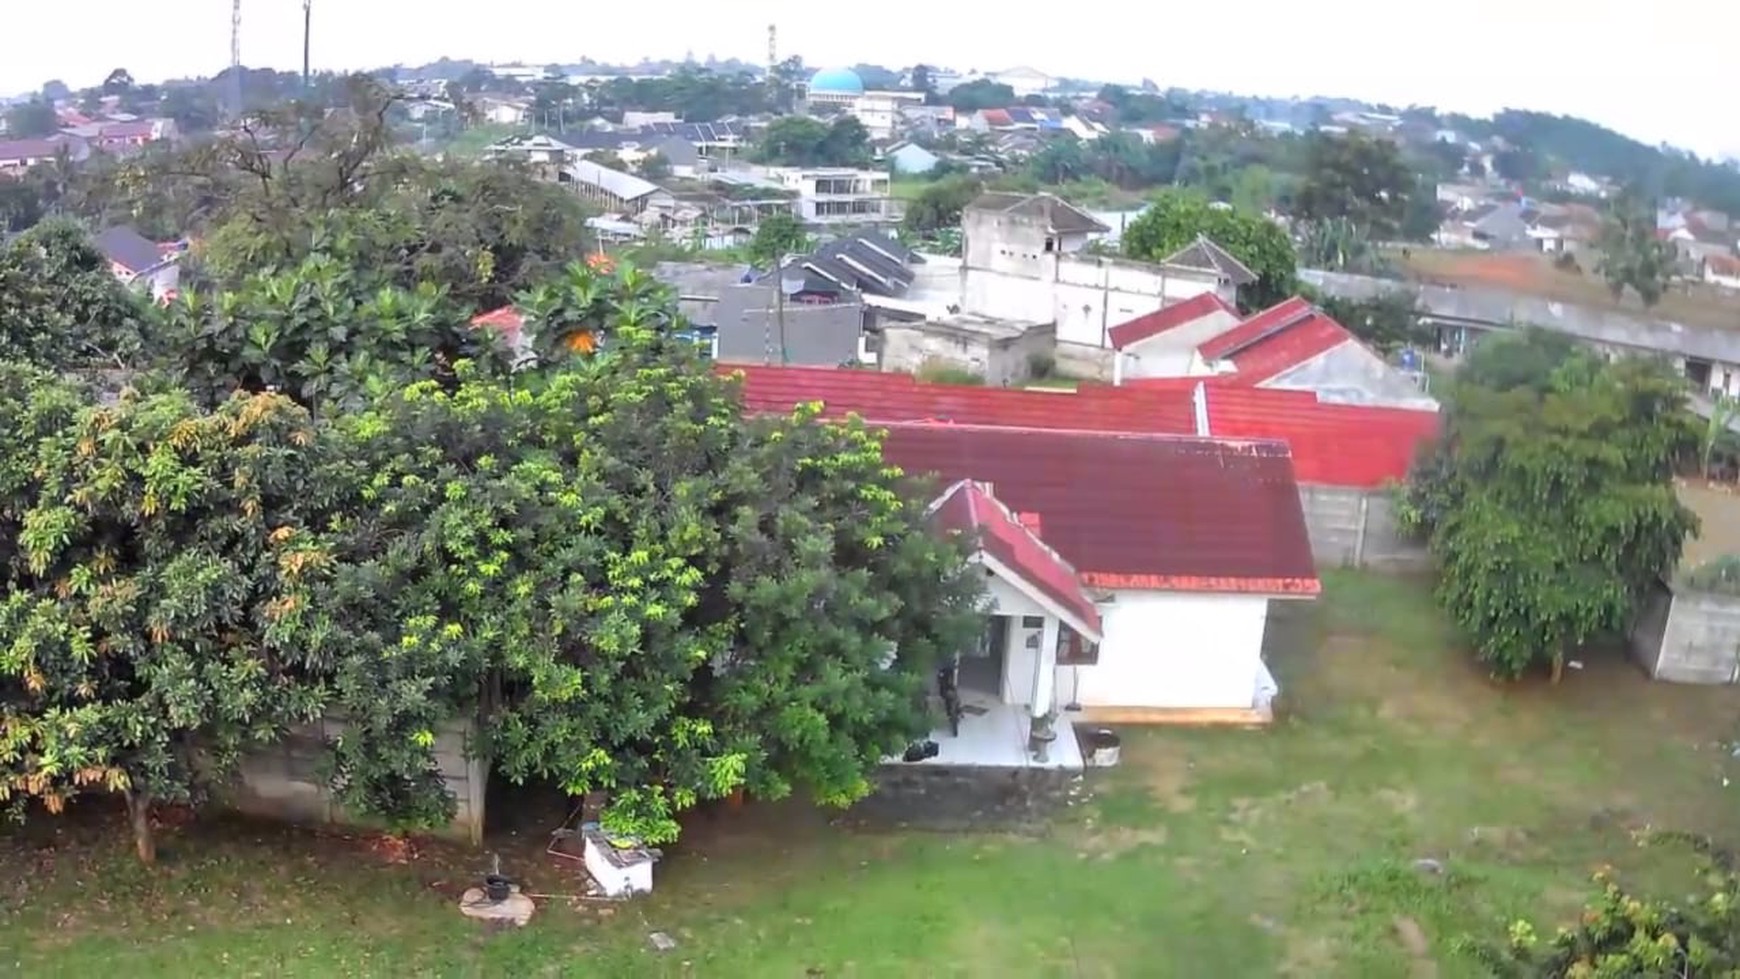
(638, 591)
(150, 546)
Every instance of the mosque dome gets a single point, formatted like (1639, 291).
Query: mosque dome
(837, 81)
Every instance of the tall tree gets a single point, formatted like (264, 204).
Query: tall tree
(640, 593)
(1588, 451)
(152, 546)
(1631, 255)
(61, 307)
(1176, 217)
(777, 236)
(1354, 178)
(31, 119)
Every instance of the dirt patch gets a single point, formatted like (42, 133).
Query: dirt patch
(1718, 507)
(1308, 956)
(1413, 938)
(1117, 841)
(1166, 774)
(1399, 801)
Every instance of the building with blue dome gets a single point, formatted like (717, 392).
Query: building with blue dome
(836, 81)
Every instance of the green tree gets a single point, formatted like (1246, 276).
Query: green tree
(655, 167)
(322, 332)
(32, 119)
(1176, 217)
(979, 94)
(801, 141)
(777, 236)
(119, 82)
(1631, 256)
(1355, 178)
(151, 550)
(61, 307)
(639, 592)
(940, 205)
(1387, 322)
(1588, 451)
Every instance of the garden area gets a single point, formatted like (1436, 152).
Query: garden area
(1403, 809)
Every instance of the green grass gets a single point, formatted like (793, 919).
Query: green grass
(1206, 853)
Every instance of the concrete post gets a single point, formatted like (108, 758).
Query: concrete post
(1045, 668)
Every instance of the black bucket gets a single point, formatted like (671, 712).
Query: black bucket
(497, 888)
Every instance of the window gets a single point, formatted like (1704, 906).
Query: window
(1050, 245)
(1033, 622)
(1074, 650)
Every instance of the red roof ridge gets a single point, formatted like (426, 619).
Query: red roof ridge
(1166, 318)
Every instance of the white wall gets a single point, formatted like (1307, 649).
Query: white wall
(1166, 649)
(1173, 353)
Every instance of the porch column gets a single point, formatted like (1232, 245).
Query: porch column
(1045, 668)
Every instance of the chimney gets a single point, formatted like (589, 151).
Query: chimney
(1200, 400)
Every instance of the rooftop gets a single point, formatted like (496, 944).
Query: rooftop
(968, 507)
(1154, 513)
(625, 186)
(1060, 216)
(1203, 253)
(1171, 317)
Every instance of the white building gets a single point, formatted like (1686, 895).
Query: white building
(1022, 260)
(841, 90)
(1137, 594)
(838, 195)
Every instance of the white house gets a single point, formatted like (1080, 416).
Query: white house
(1022, 259)
(1163, 343)
(140, 263)
(1722, 270)
(1130, 578)
(838, 195)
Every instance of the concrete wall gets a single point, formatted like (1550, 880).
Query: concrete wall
(1166, 649)
(1496, 306)
(1351, 373)
(1001, 361)
(1355, 528)
(1084, 362)
(286, 780)
(960, 798)
(1686, 636)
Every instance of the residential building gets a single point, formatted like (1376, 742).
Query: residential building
(911, 158)
(111, 136)
(140, 263)
(1022, 260)
(1025, 81)
(1018, 118)
(504, 112)
(538, 149)
(1721, 270)
(1001, 352)
(1292, 345)
(838, 195)
(617, 193)
(19, 155)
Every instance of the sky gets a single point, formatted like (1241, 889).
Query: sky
(1660, 71)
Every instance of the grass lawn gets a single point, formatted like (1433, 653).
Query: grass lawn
(1206, 853)
(1689, 302)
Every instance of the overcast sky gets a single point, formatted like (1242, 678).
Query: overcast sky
(1660, 70)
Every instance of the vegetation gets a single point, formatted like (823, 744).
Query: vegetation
(800, 141)
(1386, 323)
(1289, 852)
(777, 236)
(1631, 255)
(1623, 935)
(1356, 179)
(60, 305)
(1540, 436)
(1177, 217)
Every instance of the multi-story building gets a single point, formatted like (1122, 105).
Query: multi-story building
(838, 195)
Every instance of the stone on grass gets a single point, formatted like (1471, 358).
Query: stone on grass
(661, 942)
(1427, 865)
(516, 908)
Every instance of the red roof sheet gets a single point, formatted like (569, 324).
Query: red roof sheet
(998, 117)
(507, 321)
(1132, 511)
(968, 507)
(1281, 352)
(1276, 317)
(1333, 445)
(1168, 318)
(888, 397)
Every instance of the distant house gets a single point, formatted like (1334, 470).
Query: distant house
(1722, 270)
(504, 112)
(911, 158)
(121, 137)
(616, 192)
(1017, 118)
(533, 148)
(18, 155)
(140, 263)
(838, 195)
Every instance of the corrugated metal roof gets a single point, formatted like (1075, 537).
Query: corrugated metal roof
(1333, 445)
(624, 186)
(1275, 318)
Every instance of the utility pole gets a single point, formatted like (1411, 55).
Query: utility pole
(236, 55)
(307, 24)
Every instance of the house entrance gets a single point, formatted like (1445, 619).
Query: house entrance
(981, 670)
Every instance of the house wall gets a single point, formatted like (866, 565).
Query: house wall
(1083, 361)
(1685, 636)
(286, 780)
(1167, 649)
(1000, 361)
(1173, 353)
(1356, 528)
(1351, 373)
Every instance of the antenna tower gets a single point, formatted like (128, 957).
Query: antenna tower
(772, 51)
(307, 24)
(236, 55)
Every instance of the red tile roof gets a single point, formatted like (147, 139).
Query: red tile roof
(968, 507)
(1280, 353)
(1135, 511)
(1332, 445)
(997, 117)
(1171, 317)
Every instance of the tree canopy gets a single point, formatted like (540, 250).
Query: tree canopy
(801, 141)
(1177, 217)
(1587, 449)
(1357, 179)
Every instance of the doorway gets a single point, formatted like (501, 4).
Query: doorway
(981, 669)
